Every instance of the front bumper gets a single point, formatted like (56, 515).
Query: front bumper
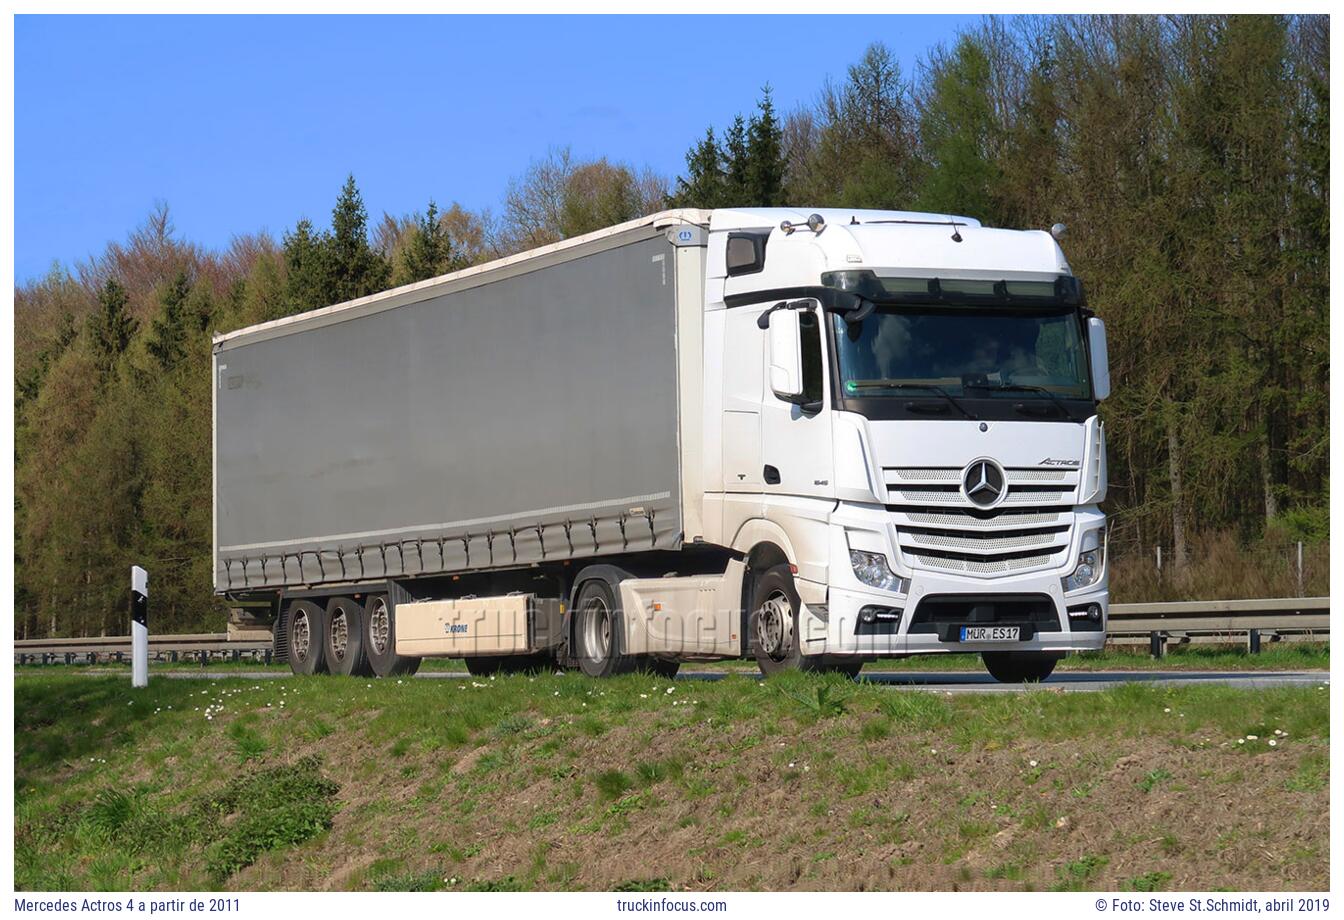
(844, 635)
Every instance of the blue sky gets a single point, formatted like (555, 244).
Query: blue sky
(249, 123)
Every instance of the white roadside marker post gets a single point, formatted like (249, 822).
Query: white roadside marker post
(139, 627)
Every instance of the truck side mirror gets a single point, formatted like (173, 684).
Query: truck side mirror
(785, 355)
(1101, 367)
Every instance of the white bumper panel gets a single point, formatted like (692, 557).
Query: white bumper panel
(844, 638)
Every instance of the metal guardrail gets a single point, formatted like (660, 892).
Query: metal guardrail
(1154, 623)
(1159, 622)
(202, 647)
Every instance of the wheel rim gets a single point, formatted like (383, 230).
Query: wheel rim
(340, 634)
(303, 635)
(597, 629)
(774, 626)
(380, 627)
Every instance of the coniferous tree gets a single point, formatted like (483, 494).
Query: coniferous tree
(427, 250)
(309, 280)
(765, 155)
(356, 269)
(168, 330)
(111, 328)
(703, 186)
(737, 165)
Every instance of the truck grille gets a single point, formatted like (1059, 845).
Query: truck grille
(939, 529)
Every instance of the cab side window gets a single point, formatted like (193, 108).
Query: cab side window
(810, 342)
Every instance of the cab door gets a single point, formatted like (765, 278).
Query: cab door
(797, 460)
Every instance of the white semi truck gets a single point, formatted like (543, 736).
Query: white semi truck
(807, 438)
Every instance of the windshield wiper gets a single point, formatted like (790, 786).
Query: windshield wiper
(891, 385)
(1028, 388)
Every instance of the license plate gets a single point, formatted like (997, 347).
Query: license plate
(990, 633)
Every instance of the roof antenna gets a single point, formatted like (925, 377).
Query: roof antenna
(853, 221)
(956, 234)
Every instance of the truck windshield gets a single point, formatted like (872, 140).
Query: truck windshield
(973, 352)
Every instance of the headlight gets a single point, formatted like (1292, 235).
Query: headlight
(1091, 562)
(872, 569)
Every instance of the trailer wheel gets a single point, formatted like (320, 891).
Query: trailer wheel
(775, 608)
(485, 665)
(346, 638)
(305, 630)
(380, 634)
(1020, 667)
(598, 634)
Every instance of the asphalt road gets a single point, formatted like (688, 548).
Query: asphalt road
(940, 681)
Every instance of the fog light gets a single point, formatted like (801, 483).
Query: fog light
(1094, 612)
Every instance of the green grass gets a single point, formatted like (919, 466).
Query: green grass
(1150, 881)
(274, 809)
(524, 782)
(1079, 874)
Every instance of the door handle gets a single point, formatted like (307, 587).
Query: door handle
(771, 475)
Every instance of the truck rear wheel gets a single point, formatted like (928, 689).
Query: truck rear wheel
(1020, 667)
(598, 634)
(380, 634)
(775, 610)
(345, 639)
(305, 630)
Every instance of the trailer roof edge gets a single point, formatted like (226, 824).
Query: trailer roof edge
(425, 288)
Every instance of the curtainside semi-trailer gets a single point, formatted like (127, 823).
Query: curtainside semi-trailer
(805, 438)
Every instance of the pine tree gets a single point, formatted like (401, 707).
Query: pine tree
(168, 330)
(765, 155)
(737, 188)
(427, 250)
(112, 327)
(703, 184)
(356, 269)
(308, 270)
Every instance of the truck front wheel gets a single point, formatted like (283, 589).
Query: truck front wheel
(774, 627)
(380, 640)
(306, 633)
(1020, 667)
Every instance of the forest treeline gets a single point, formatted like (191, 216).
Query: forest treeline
(1188, 156)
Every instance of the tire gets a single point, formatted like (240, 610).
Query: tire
(775, 607)
(380, 640)
(486, 665)
(346, 638)
(1020, 667)
(305, 631)
(598, 635)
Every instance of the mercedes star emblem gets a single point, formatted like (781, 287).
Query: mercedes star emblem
(984, 483)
